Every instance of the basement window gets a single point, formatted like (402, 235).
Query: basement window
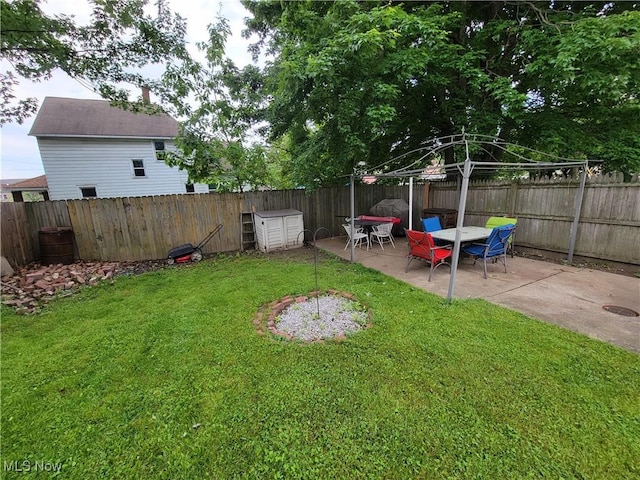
(88, 192)
(138, 168)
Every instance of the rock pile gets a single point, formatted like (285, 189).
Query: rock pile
(32, 286)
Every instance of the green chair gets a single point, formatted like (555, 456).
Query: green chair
(499, 222)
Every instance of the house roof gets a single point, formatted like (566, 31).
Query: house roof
(36, 183)
(7, 182)
(72, 117)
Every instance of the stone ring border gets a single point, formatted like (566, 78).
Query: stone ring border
(265, 319)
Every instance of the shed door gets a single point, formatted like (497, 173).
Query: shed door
(274, 233)
(292, 228)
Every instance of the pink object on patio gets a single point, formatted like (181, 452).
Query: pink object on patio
(370, 218)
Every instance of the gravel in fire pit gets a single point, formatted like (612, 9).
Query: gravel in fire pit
(338, 316)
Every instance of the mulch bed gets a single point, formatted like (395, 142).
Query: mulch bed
(618, 268)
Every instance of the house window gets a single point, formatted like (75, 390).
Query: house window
(88, 192)
(190, 188)
(138, 168)
(160, 151)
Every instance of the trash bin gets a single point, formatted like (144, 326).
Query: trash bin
(56, 245)
(448, 216)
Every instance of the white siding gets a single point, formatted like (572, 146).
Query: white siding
(105, 164)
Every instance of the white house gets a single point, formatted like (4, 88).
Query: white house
(91, 149)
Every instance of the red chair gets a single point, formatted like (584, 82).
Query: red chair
(421, 247)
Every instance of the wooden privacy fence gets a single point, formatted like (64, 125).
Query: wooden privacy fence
(144, 228)
(609, 224)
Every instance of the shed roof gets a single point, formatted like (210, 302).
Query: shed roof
(72, 117)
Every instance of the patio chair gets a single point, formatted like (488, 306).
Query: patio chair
(495, 247)
(421, 247)
(358, 236)
(382, 233)
(498, 222)
(432, 224)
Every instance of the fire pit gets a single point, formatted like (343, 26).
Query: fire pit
(314, 317)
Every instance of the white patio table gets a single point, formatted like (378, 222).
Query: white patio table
(467, 234)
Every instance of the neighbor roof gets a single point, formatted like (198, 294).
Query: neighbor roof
(72, 117)
(36, 183)
(6, 182)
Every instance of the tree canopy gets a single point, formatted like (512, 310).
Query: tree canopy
(354, 82)
(220, 105)
(122, 37)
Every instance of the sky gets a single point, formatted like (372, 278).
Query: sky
(19, 155)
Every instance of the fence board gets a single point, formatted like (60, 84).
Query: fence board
(17, 245)
(78, 233)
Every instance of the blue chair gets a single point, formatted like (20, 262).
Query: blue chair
(498, 222)
(432, 224)
(495, 247)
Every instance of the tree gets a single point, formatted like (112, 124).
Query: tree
(221, 107)
(217, 103)
(584, 96)
(369, 81)
(113, 48)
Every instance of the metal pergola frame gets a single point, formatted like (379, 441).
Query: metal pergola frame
(484, 142)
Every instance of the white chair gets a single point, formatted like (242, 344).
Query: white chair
(358, 236)
(383, 234)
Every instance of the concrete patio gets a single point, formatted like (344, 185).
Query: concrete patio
(564, 295)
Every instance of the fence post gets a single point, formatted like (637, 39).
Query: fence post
(512, 198)
(576, 217)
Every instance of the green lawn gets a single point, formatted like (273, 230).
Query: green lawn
(164, 376)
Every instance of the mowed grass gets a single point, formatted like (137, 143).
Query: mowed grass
(163, 375)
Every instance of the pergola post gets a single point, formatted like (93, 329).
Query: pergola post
(410, 203)
(352, 202)
(460, 222)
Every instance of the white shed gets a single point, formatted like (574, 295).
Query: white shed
(279, 229)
